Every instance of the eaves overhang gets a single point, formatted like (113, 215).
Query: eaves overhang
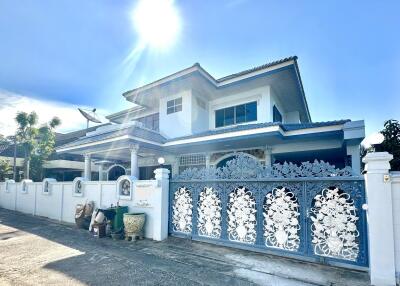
(217, 83)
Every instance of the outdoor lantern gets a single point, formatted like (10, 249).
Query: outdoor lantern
(161, 161)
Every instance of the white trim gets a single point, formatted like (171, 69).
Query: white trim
(108, 141)
(225, 135)
(314, 130)
(212, 137)
(212, 80)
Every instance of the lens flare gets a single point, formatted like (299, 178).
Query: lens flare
(157, 23)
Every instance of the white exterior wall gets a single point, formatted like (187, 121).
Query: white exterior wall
(178, 123)
(261, 95)
(60, 202)
(199, 114)
(395, 177)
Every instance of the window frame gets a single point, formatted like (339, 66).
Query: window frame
(235, 111)
(174, 105)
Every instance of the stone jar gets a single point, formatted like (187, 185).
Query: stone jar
(134, 225)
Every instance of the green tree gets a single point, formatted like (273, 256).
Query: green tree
(45, 147)
(38, 143)
(5, 169)
(26, 136)
(391, 143)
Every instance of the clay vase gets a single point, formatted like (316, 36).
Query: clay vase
(134, 223)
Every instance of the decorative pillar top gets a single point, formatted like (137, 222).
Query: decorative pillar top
(161, 173)
(87, 155)
(377, 162)
(268, 149)
(134, 148)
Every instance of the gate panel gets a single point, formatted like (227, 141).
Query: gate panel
(311, 218)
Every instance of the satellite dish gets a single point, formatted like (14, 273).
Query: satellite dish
(89, 117)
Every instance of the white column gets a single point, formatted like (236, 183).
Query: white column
(354, 152)
(380, 218)
(268, 156)
(88, 168)
(160, 224)
(175, 166)
(134, 160)
(101, 172)
(208, 159)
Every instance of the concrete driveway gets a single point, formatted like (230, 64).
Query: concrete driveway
(37, 251)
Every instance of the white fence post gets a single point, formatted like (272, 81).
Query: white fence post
(380, 218)
(160, 230)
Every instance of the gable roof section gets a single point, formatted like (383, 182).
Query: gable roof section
(198, 68)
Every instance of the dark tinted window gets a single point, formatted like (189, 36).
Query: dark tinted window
(277, 116)
(219, 118)
(236, 114)
(229, 116)
(240, 113)
(251, 111)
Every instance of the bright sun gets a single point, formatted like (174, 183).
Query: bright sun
(157, 22)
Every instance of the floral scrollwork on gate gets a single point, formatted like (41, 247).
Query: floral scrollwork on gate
(334, 229)
(182, 211)
(209, 213)
(242, 216)
(281, 223)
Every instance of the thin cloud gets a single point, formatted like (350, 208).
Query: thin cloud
(11, 103)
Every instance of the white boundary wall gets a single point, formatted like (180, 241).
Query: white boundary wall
(383, 212)
(395, 181)
(59, 203)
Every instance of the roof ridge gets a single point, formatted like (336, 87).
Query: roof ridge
(198, 66)
(263, 66)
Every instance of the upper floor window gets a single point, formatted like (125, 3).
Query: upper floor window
(236, 114)
(151, 121)
(174, 105)
(276, 115)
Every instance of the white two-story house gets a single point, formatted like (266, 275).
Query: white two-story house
(194, 120)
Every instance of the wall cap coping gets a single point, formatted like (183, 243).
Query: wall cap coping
(377, 156)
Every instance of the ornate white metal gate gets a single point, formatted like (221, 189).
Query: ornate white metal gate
(312, 211)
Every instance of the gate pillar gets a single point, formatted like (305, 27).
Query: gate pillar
(160, 231)
(380, 218)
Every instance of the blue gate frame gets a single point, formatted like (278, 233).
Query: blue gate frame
(304, 188)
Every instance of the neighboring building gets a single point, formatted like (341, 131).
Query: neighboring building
(63, 167)
(194, 120)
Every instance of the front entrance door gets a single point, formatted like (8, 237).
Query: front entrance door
(115, 172)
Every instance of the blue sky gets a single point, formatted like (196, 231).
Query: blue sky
(56, 55)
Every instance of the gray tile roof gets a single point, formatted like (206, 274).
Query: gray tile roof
(285, 127)
(154, 136)
(267, 65)
(290, 127)
(136, 131)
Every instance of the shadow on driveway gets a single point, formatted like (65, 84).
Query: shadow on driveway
(40, 251)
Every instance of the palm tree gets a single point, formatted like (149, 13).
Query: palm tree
(26, 135)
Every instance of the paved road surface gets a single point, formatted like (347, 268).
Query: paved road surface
(37, 251)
